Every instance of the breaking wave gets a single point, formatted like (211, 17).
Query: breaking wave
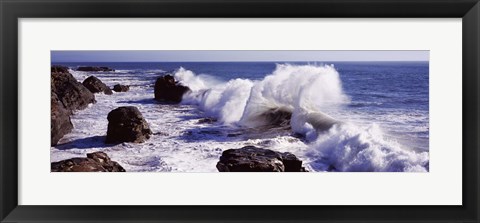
(297, 89)
(297, 95)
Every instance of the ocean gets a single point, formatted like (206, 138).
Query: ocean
(380, 111)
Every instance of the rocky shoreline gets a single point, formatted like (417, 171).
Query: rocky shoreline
(126, 124)
(95, 162)
(67, 96)
(254, 159)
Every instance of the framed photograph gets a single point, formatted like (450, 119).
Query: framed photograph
(227, 111)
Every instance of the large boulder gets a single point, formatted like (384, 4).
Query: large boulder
(70, 92)
(126, 124)
(95, 162)
(95, 85)
(254, 159)
(60, 123)
(121, 88)
(59, 69)
(95, 69)
(169, 90)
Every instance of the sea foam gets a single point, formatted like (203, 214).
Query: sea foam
(350, 148)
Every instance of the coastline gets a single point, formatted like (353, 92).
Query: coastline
(179, 143)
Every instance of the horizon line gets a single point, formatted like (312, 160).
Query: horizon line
(239, 61)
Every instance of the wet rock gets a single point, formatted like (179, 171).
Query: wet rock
(126, 124)
(121, 88)
(292, 163)
(161, 133)
(94, 69)
(95, 85)
(169, 90)
(210, 132)
(95, 162)
(278, 117)
(59, 69)
(60, 123)
(254, 159)
(70, 92)
(207, 120)
(235, 134)
(106, 162)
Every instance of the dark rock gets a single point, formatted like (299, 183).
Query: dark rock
(59, 69)
(167, 89)
(291, 163)
(207, 120)
(210, 132)
(77, 165)
(70, 92)
(60, 123)
(235, 134)
(277, 117)
(161, 133)
(67, 95)
(121, 88)
(94, 69)
(106, 162)
(126, 124)
(95, 162)
(95, 85)
(254, 159)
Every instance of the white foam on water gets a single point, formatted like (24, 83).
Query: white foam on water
(347, 147)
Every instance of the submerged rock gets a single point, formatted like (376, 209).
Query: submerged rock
(60, 123)
(94, 69)
(95, 85)
(121, 88)
(70, 92)
(169, 90)
(254, 159)
(207, 120)
(95, 162)
(126, 124)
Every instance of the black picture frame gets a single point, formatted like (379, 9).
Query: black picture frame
(12, 10)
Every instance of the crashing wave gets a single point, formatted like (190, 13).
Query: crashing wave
(350, 148)
(294, 89)
(296, 95)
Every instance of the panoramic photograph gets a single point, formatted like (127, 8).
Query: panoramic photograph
(210, 111)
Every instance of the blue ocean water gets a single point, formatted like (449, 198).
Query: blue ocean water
(386, 101)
